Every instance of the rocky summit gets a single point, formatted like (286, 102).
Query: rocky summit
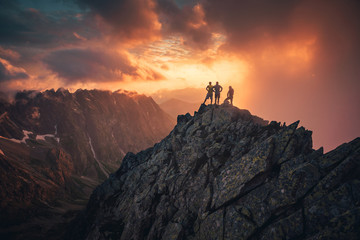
(225, 174)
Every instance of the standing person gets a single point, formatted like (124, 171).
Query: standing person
(210, 89)
(218, 90)
(230, 95)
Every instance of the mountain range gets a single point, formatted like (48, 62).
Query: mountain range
(57, 146)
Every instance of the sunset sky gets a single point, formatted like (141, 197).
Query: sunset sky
(287, 60)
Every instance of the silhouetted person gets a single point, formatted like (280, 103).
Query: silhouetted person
(218, 89)
(230, 95)
(210, 89)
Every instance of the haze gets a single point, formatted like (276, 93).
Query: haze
(287, 60)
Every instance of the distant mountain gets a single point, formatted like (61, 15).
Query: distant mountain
(226, 174)
(56, 146)
(176, 107)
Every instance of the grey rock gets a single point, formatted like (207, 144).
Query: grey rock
(225, 174)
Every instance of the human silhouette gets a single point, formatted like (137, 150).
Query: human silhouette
(230, 95)
(217, 89)
(210, 89)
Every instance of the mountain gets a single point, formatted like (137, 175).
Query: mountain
(176, 107)
(57, 146)
(225, 174)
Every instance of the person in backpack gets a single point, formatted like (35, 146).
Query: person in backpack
(210, 90)
(217, 89)
(230, 95)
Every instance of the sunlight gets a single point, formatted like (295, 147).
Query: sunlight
(197, 75)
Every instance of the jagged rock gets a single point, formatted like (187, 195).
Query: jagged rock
(225, 174)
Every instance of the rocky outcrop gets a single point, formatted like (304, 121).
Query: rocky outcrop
(225, 174)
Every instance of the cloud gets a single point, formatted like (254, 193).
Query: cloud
(304, 57)
(89, 65)
(10, 72)
(141, 21)
(9, 54)
(79, 37)
(254, 27)
(133, 20)
(32, 28)
(187, 21)
(246, 22)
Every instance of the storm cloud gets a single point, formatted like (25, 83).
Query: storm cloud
(130, 19)
(147, 20)
(186, 20)
(89, 65)
(32, 28)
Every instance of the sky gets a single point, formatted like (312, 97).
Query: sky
(287, 60)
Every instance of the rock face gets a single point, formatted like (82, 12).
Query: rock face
(225, 174)
(57, 146)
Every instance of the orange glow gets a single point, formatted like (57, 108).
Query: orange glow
(199, 17)
(292, 61)
(302, 51)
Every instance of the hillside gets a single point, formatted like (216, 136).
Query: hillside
(225, 174)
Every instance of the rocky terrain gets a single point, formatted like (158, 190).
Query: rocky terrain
(225, 174)
(57, 146)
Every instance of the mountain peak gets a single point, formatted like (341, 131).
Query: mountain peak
(225, 113)
(224, 173)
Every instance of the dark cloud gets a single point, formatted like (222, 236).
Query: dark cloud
(88, 65)
(247, 21)
(10, 72)
(252, 25)
(187, 21)
(131, 19)
(35, 29)
(144, 20)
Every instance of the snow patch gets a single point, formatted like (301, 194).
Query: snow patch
(26, 137)
(2, 153)
(23, 140)
(94, 154)
(42, 137)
